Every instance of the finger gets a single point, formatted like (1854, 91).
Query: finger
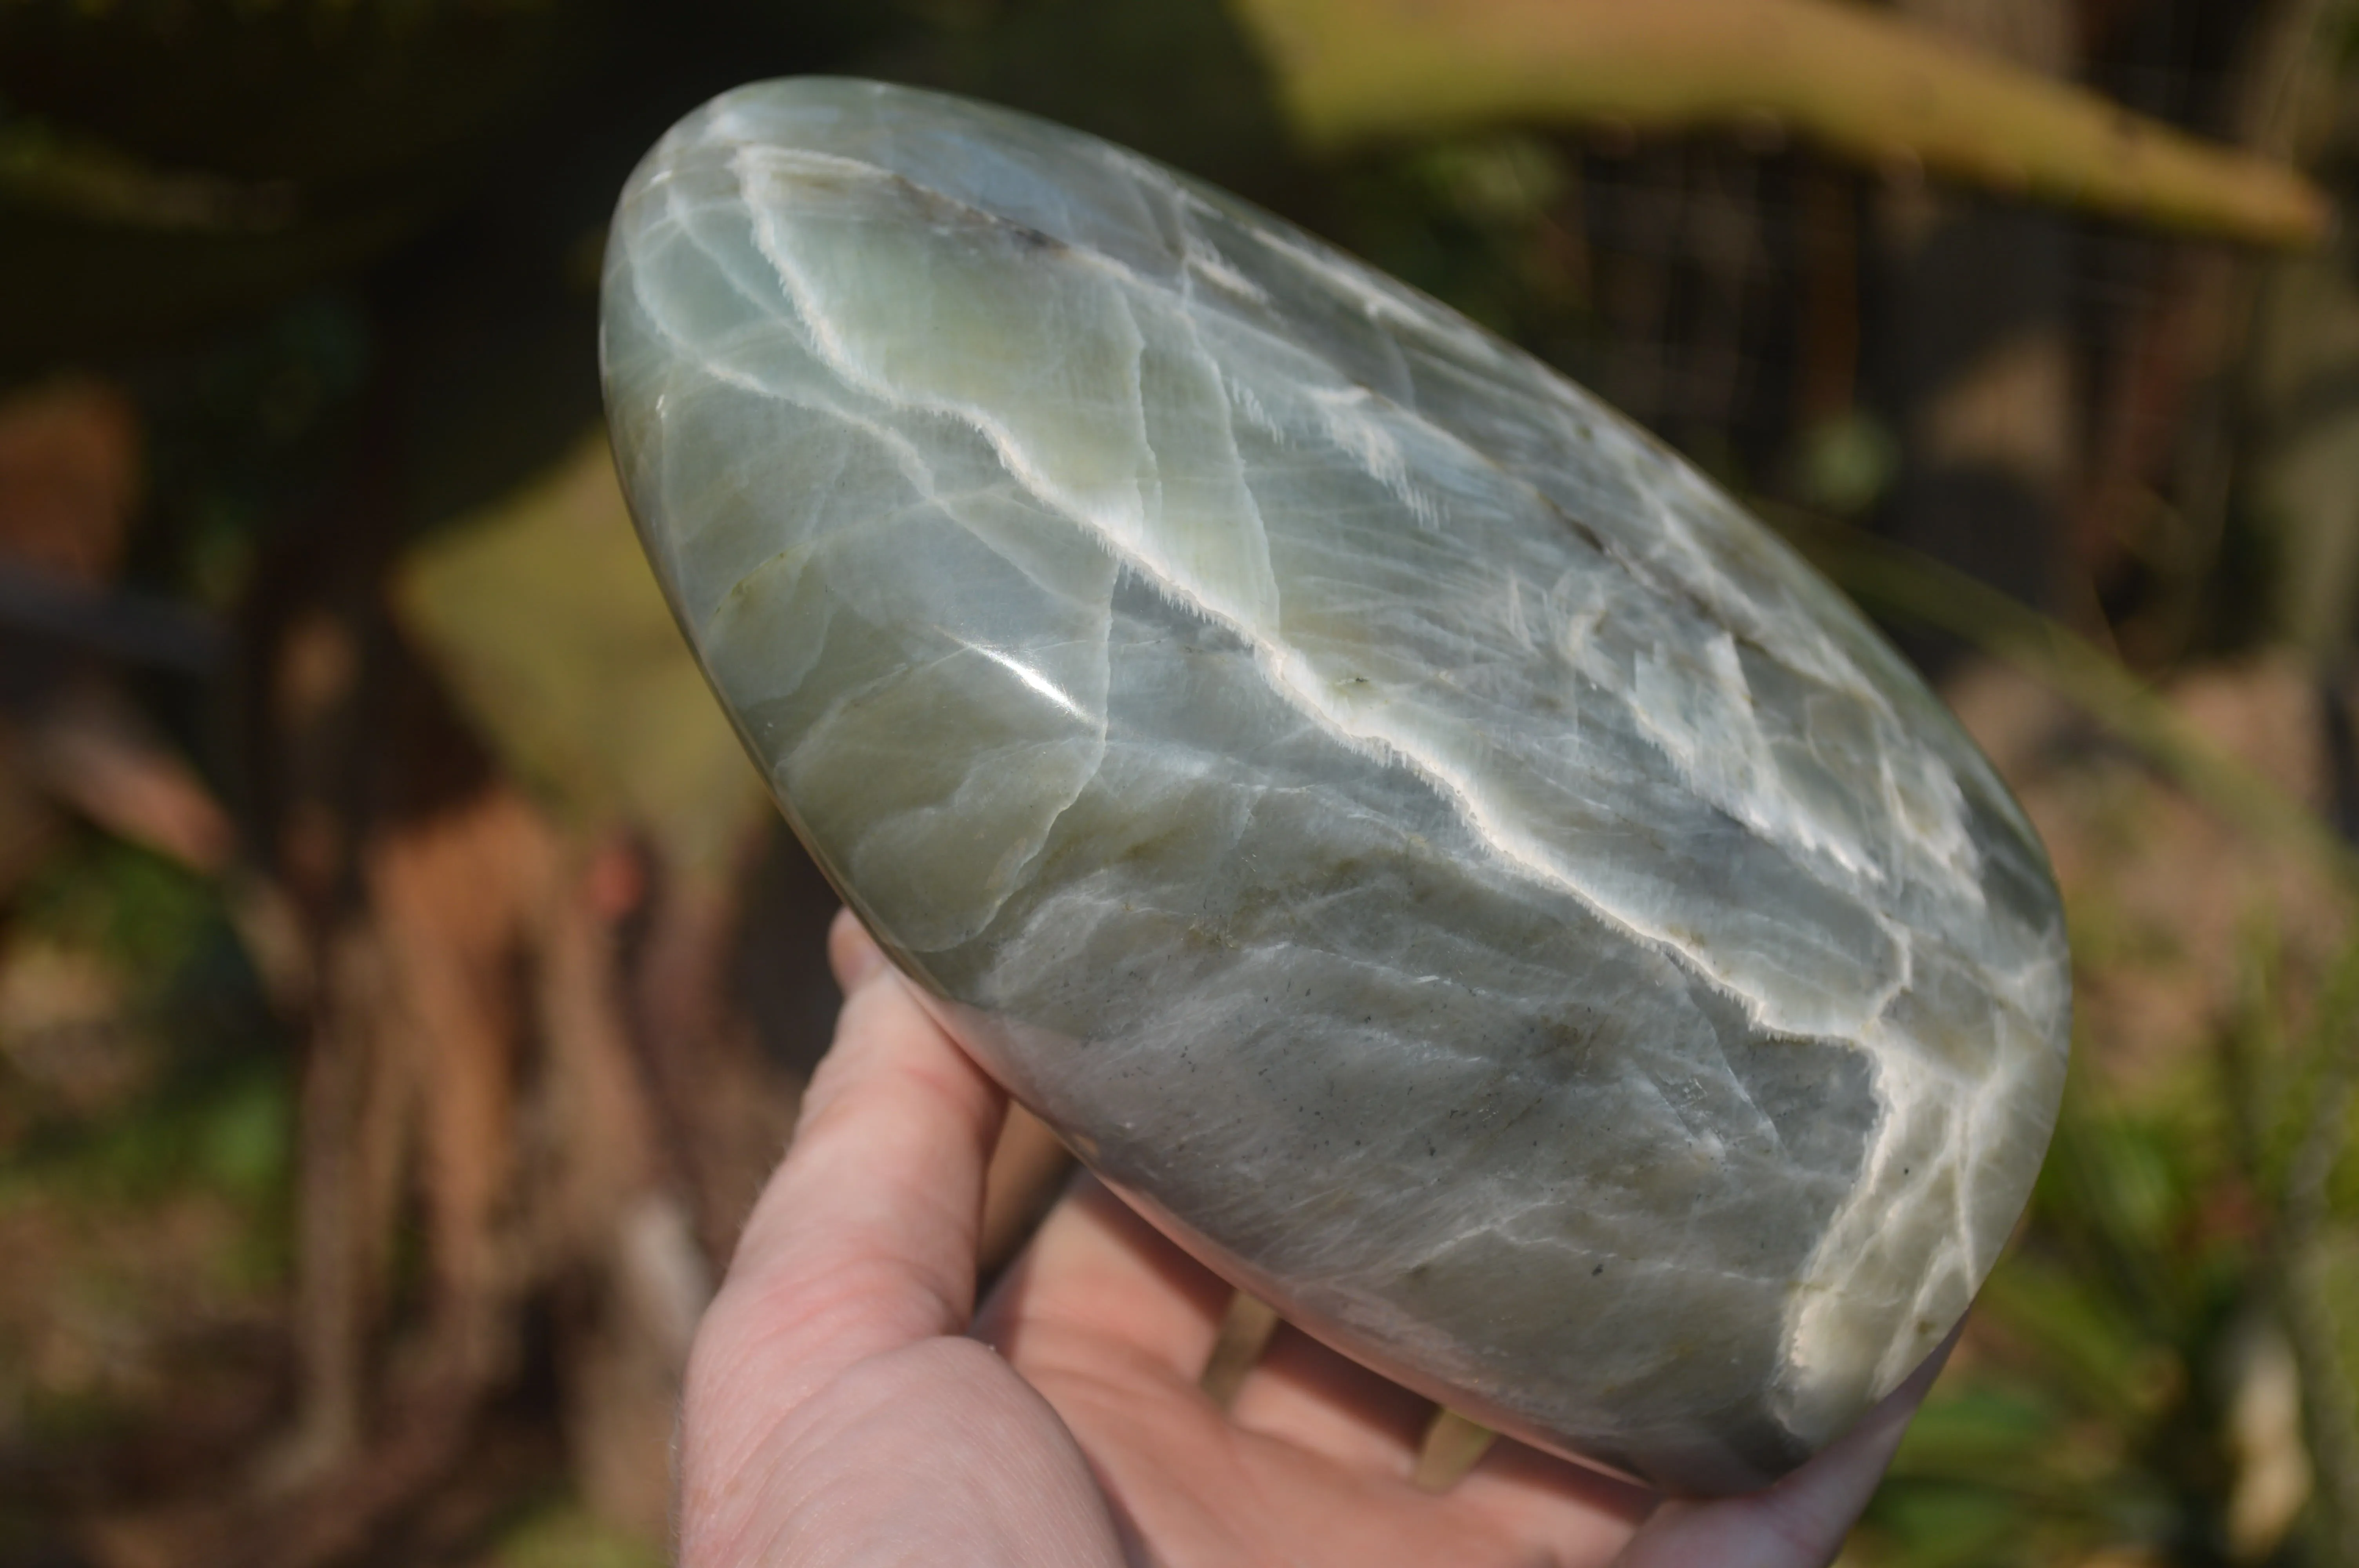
(1101, 1284)
(1028, 1170)
(852, 953)
(1306, 1394)
(1799, 1522)
(1102, 1287)
(1246, 1329)
(864, 1239)
(1562, 1511)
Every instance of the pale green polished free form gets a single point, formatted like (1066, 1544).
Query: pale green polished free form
(1408, 830)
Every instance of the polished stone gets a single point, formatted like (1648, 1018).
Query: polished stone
(1407, 829)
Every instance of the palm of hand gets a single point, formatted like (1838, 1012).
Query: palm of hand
(838, 1411)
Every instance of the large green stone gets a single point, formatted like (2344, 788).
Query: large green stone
(1409, 832)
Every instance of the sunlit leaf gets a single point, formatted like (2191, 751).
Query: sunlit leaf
(543, 615)
(1853, 78)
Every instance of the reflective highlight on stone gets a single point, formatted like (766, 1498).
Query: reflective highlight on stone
(1464, 877)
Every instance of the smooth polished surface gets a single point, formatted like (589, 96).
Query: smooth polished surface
(1432, 850)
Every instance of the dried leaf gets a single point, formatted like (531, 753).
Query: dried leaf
(1861, 81)
(69, 477)
(95, 750)
(545, 618)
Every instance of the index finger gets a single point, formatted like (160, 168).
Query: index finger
(864, 1239)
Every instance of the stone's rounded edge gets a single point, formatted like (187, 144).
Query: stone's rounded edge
(1698, 1469)
(1689, 1469)
(1685, 1471)
(627, 437)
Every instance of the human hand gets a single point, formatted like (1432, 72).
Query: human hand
(844, 1405)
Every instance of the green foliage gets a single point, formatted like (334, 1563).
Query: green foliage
(213, 1106)
(232, 1132)
(1847, 463)
(2113, 1393)
(564, 1535)
(132, 906)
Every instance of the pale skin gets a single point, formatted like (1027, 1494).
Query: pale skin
(847, 1404)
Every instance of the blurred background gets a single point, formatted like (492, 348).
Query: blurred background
(404, 987)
